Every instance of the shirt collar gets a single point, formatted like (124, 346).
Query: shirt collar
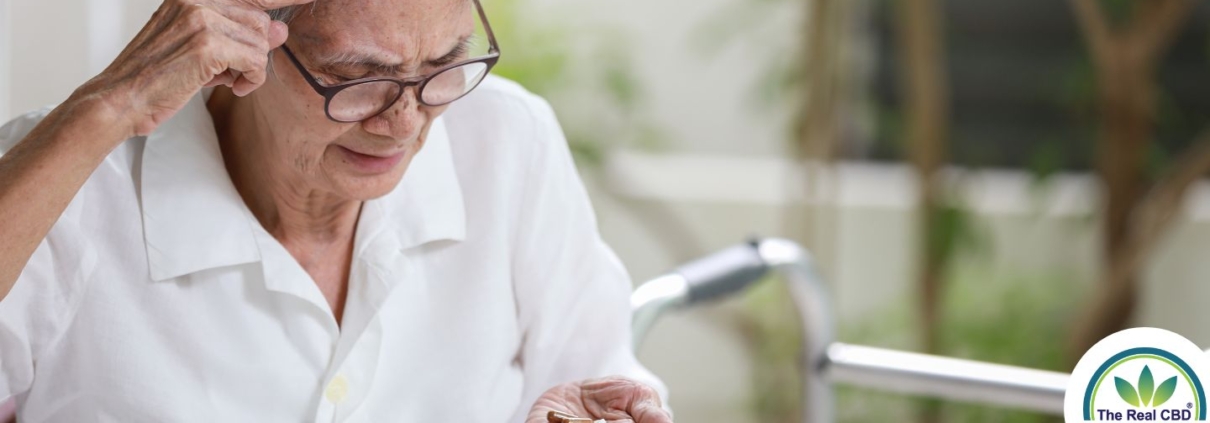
(426, 206)
(194, 219)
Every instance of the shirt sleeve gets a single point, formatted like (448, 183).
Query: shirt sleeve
(573, 292)
(38, 308)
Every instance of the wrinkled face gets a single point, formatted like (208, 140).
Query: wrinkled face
(341, 40)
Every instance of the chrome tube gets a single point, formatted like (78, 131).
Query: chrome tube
(703, 280)
(795, 266)
(827, 362)
(651, 300)
(947, 378)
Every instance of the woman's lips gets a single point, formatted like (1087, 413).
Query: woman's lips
(371, 164)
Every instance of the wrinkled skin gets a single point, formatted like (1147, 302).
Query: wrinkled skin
(614, 399)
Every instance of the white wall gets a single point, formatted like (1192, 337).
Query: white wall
(57, 45)
(5, 72)
(702, 100)
(48, 51)
(104, 23)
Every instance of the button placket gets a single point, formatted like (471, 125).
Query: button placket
(356, 360)
(359, 371)
(337, 389)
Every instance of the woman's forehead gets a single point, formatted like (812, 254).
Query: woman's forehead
(403, 26)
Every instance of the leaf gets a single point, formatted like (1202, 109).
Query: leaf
(1164, 392)
(1146, 386)
(1127, 392)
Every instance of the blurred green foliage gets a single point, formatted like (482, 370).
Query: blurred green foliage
(1119, 10)
(782, 76)
(534, 55)
(774, 337)
(989, 315)
(585, 72)
(954, 231)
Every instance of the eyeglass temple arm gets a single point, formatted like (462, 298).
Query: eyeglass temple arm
(319, 88)
(487, 27)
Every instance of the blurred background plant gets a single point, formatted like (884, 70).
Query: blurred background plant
(1142, 190)
(587, 74)
(584, 72)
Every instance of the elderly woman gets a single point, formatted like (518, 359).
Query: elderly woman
(229, 224)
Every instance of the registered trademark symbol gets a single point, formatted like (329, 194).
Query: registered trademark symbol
(1188, 405)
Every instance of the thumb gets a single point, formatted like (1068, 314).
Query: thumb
(278, 32)
(650, 412)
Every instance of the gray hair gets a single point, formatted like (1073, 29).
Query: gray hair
(285, 14)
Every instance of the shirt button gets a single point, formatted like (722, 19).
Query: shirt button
(337, 389)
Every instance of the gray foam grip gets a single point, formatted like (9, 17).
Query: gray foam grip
(723, 273)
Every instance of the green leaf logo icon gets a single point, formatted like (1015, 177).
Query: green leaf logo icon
(1146, 386)
(1126, 391)
(1147, 395)
(1164, 392)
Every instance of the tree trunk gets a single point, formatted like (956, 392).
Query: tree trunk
(926, 109)
(1125, 133)
(1125, 62)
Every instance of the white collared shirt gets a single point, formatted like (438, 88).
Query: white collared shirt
(477, 284)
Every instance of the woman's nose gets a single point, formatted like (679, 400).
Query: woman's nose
(403, 120)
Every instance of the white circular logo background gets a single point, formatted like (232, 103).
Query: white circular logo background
(1140, 374)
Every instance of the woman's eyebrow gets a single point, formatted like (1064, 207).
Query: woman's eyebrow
(365, 60)
(358, 60)
(460, 49)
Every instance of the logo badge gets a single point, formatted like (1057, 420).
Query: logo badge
(1141, 374)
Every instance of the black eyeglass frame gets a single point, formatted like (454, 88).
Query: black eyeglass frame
(330, 92)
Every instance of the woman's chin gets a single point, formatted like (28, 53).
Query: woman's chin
(367, 188)
(354, 183)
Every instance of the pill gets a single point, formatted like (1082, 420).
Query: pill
(557, 417)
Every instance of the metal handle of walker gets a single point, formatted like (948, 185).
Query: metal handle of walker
(825, 361)
(715, 276)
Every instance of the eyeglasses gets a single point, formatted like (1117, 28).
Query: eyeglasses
(361, 99)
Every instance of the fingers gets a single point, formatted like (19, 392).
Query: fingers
(255, 35)
(189, 44)
(650, 412)
(248, 69)
(274, 31)
(255, 29)
(225, 78)
(233, 44)
(256, 20)
(247, 64)
(564, 398)
(615, 397)
(271, 4)
(278, 32)
(645, 405)
(225, 61)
